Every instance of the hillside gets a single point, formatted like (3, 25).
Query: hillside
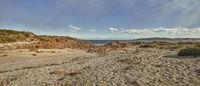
(7, 36)
(41, 41)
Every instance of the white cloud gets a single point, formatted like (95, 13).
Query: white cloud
(122, 33)
(179, 32)
(92, 30)
(113, 29)
(187, 11)
(74, 28)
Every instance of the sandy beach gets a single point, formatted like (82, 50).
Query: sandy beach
(129, 66)
(99, 43)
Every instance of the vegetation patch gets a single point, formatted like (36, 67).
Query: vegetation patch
(136, 43)
(190, 52)
(6, 39)
(149, 46)
(7, 36)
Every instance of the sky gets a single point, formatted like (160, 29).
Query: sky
(103, 19)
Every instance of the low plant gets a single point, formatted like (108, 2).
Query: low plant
(136, 43)
(6, 39)
(190, 52)
(149, 46)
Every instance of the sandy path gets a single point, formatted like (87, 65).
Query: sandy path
(123, 68)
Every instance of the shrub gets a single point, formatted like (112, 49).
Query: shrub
(7, 36)
(175, 47)
(190, 52)
(149, 46)
(6, 39)
(136, 43)
(197, 45)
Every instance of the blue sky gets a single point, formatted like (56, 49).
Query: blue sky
(103, 19)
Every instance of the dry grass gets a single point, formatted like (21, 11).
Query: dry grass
(170, 46)
(136, 43)
(6, 39)
(7, 36)
(149, 46)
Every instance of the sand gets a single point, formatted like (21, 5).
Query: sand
(130, 66)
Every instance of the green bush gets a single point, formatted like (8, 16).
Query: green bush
(190, 52)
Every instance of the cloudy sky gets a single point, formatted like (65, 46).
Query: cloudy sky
(103, 19)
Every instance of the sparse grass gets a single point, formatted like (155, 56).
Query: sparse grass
(8, 31)
(190, 52)
(175, 47)
(6, 39)
(149, 46)
(7, 36)
(136, 43)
